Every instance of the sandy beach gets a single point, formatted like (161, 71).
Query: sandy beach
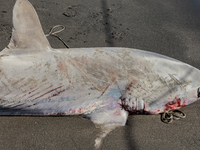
(171, 28)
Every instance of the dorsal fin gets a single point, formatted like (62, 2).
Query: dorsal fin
(27, 31)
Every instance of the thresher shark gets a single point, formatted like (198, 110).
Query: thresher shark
(104, 84)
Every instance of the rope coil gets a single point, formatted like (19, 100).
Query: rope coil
(168, 117)
(51, 33)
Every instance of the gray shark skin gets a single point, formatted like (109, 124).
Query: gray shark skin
(104, 85)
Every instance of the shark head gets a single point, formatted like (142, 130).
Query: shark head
(181, 83)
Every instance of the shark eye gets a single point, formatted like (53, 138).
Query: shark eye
(198, 92)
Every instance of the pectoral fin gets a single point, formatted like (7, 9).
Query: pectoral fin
(107, 119)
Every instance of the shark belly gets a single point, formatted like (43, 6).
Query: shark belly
(78, 81)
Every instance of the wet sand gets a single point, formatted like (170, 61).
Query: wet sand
(168, 27)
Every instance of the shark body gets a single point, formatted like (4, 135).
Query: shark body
(103, 84)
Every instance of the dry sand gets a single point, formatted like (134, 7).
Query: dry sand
(169, 27)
